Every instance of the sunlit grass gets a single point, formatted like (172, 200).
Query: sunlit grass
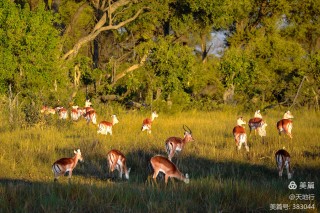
(222, 178)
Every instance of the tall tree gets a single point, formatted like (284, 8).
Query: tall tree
(28, 49)
(107, 21)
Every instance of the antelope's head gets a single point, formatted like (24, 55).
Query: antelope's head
(240, 121)
(257, 114)
(78, 154)
(287, 115)
(127, 174)
(187, 133)
(154, 115)
(88, 103)
(114, 119)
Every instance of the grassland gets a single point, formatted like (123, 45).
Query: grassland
(221, 178)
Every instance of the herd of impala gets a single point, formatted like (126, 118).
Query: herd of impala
(117, 160)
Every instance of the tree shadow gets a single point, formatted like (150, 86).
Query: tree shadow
(95, 166)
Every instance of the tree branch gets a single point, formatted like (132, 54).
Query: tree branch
(115, 6)
(129, 69)
(95, 32)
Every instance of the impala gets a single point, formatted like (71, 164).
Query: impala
(240, 135)
(91, 116)
(162, 164)
(257, 123)
(283, 160)
(47, 110)
(81, 111)
(105, 127)
(176, 144)
(285, 124)
(62, 112)
(146, 124)
(116, 160)
(60, 167)
(74, 113)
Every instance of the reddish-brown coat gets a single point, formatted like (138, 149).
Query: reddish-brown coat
(162, 164)
(114, 156)
(284, 126)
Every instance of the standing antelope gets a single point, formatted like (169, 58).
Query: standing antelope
(240, 135)
(257, 123)
(62, 112)
(283, 160)
(285, 124)
(74, 113)
(60, 167)
(105, 127)
(116, 160)
(162, 164)
(91, 116)
(81, 111)
(146, 124)
(176, 144)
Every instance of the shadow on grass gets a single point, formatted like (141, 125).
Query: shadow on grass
(214, 185)
(95, 166)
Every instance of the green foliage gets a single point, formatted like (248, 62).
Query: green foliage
(29, 49)
(272, 46)
(75, 24)
(268, 66)
(172, 68)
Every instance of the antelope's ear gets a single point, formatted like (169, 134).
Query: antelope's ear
(187, 176)
(75, 152)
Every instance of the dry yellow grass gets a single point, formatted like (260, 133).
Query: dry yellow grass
(222, 179)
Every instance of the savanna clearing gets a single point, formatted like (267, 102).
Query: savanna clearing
(222, 179)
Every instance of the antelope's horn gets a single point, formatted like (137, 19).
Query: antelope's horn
(188, 129)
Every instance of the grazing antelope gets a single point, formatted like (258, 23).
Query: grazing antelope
(285, 124)
(60, 167)
(283, 160)
(74, 113)
(257, 123)
(240, 135)
(47, 110)
(105, 127)
(91, 116)
(116, 160)
(162, 164)
(146, 124)
(62, 112)
(176, 144)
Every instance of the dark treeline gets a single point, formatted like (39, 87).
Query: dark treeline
(160, 53)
